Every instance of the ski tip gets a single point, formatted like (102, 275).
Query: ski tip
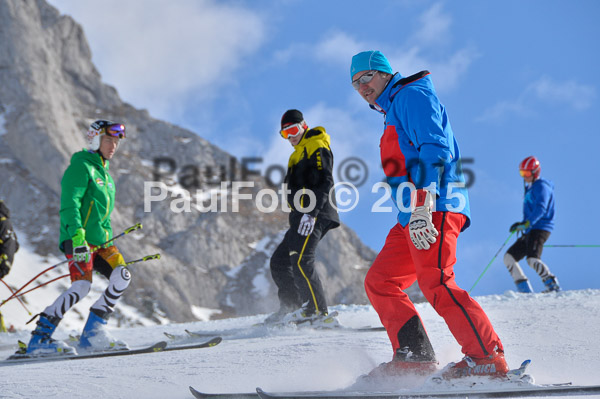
(215, 341)
(526, 363)
(195, 393)
(159, 346)
(262, 394)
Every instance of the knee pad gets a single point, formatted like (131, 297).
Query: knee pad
(509, 259)
(120, 278)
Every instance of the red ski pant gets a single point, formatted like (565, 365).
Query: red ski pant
(397, 267)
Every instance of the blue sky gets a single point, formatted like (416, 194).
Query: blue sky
(518, 78)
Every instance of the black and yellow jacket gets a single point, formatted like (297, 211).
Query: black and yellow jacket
(8, 240)
(311, 168)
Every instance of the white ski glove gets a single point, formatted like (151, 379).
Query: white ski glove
(307, 225)
(421, 228)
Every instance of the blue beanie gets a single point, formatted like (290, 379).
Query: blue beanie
(369, 61)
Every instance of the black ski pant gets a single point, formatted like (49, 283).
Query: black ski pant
(293, 267)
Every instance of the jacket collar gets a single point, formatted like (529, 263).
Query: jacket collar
(385, 99)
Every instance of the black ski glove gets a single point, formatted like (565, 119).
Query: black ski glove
(519, 226)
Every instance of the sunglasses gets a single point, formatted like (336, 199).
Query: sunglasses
(292, 130)
(115, 130)
(364, 79)
(525, 173)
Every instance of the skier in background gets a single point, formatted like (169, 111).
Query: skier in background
(301, 294)
(87, 201)
(536, 226)
(8, 247)
(421, 159)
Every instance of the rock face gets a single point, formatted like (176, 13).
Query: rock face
(49, 94)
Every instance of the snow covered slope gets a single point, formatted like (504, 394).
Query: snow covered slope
(559, 332)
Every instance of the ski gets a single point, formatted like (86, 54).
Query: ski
(191, 335)
(263, 328)
(517, 384)
(545, 390)
(206, 344)
(204, 395)
(161, 346)
(500, 392)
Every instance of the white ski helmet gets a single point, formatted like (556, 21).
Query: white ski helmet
(101, 127)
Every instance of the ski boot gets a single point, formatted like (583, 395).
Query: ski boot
(551, 284)
(524, 286)
(95, 338)
(493, 365)
(325, 320)
(405, 362)
(306, 316)
(405, 370)
(277, 317)
(41, 343)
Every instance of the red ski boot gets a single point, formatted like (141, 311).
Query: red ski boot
(493, 365)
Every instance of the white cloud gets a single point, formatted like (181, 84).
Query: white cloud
(337, 48)
(435, 25)
(158, 53)
(569, 94)
(434, 31)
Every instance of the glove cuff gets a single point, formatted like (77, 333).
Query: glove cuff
(421, 197)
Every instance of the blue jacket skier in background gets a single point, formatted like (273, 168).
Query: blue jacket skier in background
(537, 224)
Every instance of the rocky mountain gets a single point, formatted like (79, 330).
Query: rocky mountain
(50, 92)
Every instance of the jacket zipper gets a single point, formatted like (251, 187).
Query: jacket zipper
(88, 213)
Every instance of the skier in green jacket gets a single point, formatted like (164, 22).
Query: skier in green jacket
(87, 201)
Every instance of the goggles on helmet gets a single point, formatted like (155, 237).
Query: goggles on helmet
(116, 130)
(525, 173)
(293, 130)
(363, 79)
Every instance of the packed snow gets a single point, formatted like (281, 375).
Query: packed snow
(558, 332)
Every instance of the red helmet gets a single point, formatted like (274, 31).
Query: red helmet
(530, 166)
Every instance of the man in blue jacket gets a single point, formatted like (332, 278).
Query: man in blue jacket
(537, 224)
(421, 160)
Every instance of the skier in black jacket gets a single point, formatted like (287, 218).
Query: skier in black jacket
(8, 241)
(8, 247)
(309, 180)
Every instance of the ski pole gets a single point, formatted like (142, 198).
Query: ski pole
(36, 287)
(492, 261)
(32, 280)
(12, 292)
(571, 246)
(127, 231)
(145, 258)
(133, 228)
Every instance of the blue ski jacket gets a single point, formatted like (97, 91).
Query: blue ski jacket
(418, 147)
(538, 206)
